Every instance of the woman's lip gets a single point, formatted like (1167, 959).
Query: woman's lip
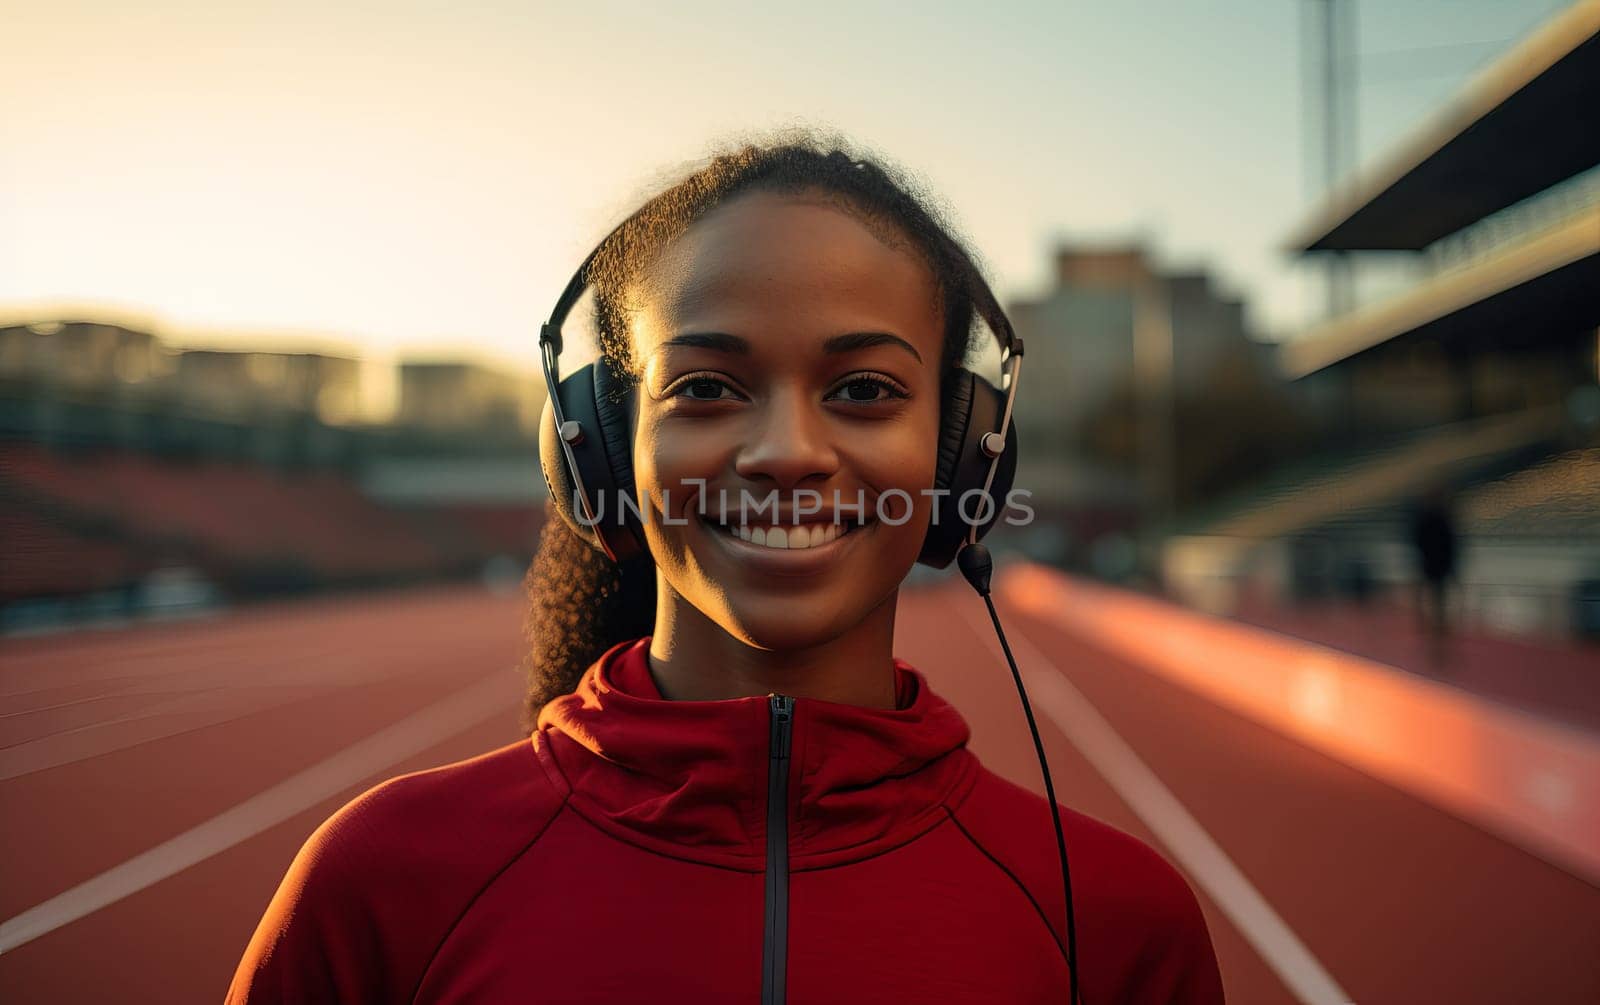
(784, 561)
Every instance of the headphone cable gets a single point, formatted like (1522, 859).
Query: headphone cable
(976, 566)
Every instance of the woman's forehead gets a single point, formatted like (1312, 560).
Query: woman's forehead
(792, 259)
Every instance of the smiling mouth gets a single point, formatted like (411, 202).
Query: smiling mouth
(793, 537)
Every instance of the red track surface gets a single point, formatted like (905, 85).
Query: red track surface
(1556, 681)
(152, 730)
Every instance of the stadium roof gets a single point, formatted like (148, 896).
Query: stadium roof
(1525, 123)
(1544, 289)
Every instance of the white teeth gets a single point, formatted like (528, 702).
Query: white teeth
(789, 538)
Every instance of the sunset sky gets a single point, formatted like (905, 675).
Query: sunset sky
(407, 177)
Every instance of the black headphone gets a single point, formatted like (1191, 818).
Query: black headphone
(585, 444)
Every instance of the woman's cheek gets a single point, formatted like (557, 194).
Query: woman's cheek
(679, 485)
(902, 468)
(663, 459)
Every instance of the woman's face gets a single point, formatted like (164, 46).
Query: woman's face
(789, 364)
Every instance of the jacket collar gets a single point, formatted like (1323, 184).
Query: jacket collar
(690, 778)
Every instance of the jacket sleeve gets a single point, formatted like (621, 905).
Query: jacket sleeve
(319, 941)
(1177, 961)
(377, 889)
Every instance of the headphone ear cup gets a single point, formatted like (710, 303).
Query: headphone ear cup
(953, 428)
(974, 409)
(612, 397)
(557, 477)
(589, 397)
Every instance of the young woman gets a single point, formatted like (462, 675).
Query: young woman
(733, 791)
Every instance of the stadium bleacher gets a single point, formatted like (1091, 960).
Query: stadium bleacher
(44, 559)
(248, 528)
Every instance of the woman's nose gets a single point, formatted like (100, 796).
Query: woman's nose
(789, 441)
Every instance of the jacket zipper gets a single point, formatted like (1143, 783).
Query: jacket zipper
(775, 948)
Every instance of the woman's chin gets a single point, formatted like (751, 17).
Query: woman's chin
(786, 626)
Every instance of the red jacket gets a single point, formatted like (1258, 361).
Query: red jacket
(644, 850)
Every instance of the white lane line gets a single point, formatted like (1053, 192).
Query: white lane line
(1154, 804)
(218, 701)
(493, 695)
(171, 717)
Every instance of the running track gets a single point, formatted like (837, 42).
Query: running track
(239, 734)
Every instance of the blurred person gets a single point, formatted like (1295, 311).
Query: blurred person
(732, 787)
(1437, 546)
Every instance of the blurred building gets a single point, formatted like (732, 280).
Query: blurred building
(81, 355)
(461, 397)
(91, 359)
(259, 384)
(1479, 377)
(1496, 204)
(136, 478)
(1142, 386)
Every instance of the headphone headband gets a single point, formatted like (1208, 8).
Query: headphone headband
(994, 318)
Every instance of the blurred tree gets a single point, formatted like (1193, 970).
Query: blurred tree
(1227, 434)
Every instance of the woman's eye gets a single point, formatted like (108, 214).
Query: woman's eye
(861, 390)
(868, 390)
(704, 389)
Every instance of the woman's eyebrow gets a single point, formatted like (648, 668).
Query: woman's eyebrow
(723, 342)
(866, 340)
(720, 341)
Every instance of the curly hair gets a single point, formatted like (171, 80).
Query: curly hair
(582, 603)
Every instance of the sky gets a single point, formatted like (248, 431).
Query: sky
(412, 178)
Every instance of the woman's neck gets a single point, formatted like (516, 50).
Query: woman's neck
(692, 658)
